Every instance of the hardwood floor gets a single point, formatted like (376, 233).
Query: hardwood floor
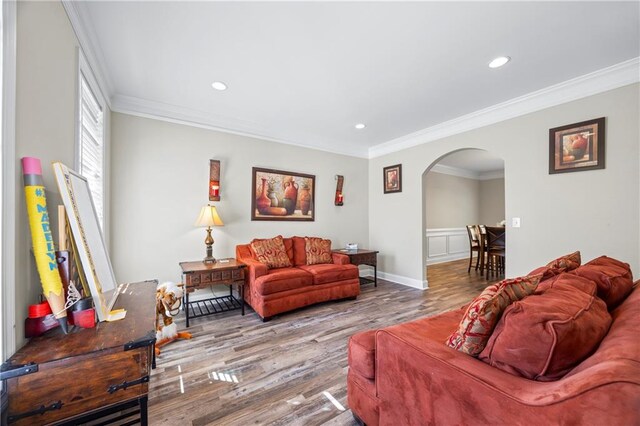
(239, 371)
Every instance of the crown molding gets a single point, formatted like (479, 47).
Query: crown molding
(465, 173)
(190, 117)
(455, 171)
(494, 174)
(619, 75)
(622, 74)
(90, 47)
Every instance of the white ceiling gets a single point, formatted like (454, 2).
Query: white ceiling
(306, 73)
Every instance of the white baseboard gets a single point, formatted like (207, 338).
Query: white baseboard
(448, 258)
(409, 282)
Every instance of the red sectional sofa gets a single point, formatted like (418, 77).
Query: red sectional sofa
(273, 291)
(407, 375)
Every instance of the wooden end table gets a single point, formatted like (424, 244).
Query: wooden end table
(363, 257)
(199, 275)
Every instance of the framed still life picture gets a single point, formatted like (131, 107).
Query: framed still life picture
(577, 147)
(392, 179)
(280, 195)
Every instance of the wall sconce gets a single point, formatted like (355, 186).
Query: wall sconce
(339, 196)
(214, 180)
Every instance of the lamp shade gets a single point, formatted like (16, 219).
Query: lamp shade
(208, 217)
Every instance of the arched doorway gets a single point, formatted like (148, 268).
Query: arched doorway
(462, 187)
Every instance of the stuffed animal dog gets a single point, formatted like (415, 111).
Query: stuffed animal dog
(168, 301)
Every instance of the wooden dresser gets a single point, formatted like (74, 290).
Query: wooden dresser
(89, 373)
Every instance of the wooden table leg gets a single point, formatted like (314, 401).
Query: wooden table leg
(375, 275)
(186, 306)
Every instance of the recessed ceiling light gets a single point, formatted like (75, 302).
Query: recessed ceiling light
(360, 126)
(499, 61)
(218, 85)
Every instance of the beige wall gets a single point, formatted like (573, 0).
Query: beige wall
(45, 124)
(450, 201)
(159, 181)
(491, 201)
(593, 211)
(455, 201)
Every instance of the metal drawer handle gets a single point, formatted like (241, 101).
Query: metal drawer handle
(125, 385)
(41, 410)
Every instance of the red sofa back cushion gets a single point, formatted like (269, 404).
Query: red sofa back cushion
(299, 254)
(544, 336)
(613, 278)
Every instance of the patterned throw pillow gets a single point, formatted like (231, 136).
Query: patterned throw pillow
(317, 250)
(566, 263)
(483, 313)
(271, 252)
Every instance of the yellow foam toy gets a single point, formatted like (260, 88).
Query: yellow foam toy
(42, 239)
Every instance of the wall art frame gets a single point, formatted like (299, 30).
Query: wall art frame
(577, 147)
(392, 176)
(282, 196)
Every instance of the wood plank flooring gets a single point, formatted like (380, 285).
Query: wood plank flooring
(239, 371)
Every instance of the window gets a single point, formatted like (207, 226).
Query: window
(91, 140)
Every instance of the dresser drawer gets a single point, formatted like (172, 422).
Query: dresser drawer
(203, 279)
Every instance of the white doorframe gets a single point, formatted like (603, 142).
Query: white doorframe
(8, 179)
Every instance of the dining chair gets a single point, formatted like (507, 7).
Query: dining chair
(475, 245)
(483, 242)
(496, 250)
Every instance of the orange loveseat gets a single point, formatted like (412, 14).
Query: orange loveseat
(273, 291)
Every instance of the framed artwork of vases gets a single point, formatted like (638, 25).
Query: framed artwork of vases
(281, 195)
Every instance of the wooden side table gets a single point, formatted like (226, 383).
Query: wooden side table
(200, 275)
(363, 257)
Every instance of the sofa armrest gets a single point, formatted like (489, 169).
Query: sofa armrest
(256, 269)
(340, 259)
(422, 381)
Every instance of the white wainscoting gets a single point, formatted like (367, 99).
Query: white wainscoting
(447, 244)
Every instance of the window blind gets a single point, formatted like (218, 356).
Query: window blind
(92, 145)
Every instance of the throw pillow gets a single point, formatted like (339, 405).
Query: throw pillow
(317, 250)
(545, 271)
(483, 313)
(544, 336)
(271, 252)
(566, 263)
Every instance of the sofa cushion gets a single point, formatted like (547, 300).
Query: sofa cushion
(484, 312)
(566, 263)
(621, 342)
(299, 256)
(606, 260)
(614, 282)
(317, 250)
(271, 252)
(544, 336)
(327, 273)
(282, 279)
(362, 353)
(567, 279)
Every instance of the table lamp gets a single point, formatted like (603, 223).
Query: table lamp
(209, 217)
